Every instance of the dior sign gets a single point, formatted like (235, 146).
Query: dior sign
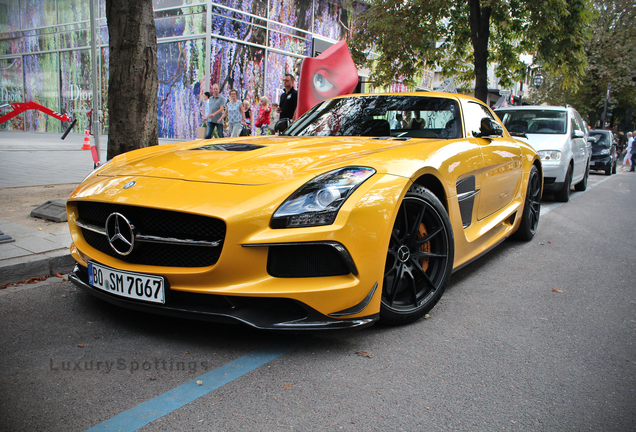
(76, 93)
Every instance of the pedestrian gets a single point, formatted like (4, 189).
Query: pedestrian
(417, 122)
(628, 151)
(274, 117)
(247, 109)
(399, 122)
(263, 120)
(205, 105)
(289, 98)
(632, 150)
(235, 114)
(216, 113)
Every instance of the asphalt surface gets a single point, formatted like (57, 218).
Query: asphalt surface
(535, 336)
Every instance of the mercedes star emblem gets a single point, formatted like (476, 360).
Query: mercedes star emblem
(130, 184)
(120, 233)
(403, 254)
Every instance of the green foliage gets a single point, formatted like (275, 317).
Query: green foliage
(611, 58)
(408, 35)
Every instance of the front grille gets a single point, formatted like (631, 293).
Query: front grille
(158, 223)
(297, 261)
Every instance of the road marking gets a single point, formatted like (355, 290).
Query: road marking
(573, 195)
(171, 400)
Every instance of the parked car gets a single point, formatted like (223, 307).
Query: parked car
(559, 135)
(603, 151)
(337, 223)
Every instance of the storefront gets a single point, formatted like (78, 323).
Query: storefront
(245, 45)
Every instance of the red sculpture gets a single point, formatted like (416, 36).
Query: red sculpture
(20, 107)
(332, 73)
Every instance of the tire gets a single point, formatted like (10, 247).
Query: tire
(419, 259)
(531, 208)
(608, 171)
(564, 194)
(582, 185)
(614, 167)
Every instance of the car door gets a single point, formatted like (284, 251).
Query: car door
(502, 170)
(579, 147)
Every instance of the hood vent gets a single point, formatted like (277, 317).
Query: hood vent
(230, 147)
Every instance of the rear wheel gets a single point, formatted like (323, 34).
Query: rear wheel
(531, 209)
(419, 260)
(563, 195)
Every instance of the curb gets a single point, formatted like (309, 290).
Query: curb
(18, 269)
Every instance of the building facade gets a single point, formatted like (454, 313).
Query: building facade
(247, 45)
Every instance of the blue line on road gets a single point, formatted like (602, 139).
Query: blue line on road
(573, 195)
(161, 405)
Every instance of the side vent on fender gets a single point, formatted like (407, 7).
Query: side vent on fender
(466, 197)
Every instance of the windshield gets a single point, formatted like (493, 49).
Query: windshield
(534, 121)
(381, 116)
(602, 139)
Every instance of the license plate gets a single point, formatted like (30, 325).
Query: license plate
(127, 284)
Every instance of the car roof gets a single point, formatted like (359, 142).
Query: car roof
(420, 94)
(534, 108)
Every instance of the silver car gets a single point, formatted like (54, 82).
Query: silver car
(560, 137)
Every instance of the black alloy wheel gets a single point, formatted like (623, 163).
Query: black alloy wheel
(531, 209)
(419, 260)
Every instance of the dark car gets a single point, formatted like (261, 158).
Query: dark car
(603, 151)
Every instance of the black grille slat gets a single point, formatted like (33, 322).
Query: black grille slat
(296, 261)
(160, 223)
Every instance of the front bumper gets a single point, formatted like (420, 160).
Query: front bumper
(601, 163)
(261, 313)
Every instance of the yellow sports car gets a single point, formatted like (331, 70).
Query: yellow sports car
(358, 212)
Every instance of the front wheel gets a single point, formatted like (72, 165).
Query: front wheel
(582, 185)
(531, 209)
(419, 260)
(563, 195)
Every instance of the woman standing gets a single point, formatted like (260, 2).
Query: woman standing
(235, 114)
(263, 119)
(248, 115)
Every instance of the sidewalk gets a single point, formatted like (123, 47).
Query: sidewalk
(35, 168)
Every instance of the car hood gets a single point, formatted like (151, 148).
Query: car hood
(546, 141)
(250, 161)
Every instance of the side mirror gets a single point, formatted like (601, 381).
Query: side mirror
(578, 134)
(489, 127)
(282, 125)
(591, 140)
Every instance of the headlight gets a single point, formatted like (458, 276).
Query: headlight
(318, 201)
(550, 155)
(605, 151)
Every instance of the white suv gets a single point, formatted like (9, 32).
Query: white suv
(560, 137)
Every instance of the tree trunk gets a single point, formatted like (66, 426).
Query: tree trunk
(479, 35)
(133, 76)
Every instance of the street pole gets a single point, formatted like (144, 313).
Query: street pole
(604, 116)
(95, 76)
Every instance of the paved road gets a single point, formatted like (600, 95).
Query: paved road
(502, 351)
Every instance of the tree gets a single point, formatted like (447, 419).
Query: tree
(611, 58)
(133, 76)
(463, 37)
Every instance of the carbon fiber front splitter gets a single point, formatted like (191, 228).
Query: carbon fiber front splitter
(257, 312)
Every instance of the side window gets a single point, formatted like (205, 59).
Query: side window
(578, 122)
(573, 124)
(473, 113)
